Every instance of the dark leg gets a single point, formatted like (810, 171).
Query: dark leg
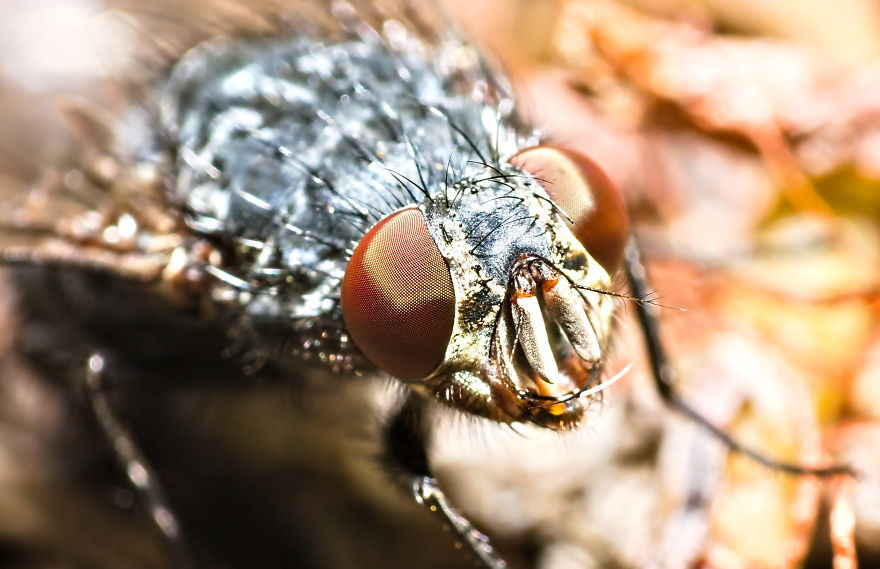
(142, 477)
(664, 375)
(405, 448)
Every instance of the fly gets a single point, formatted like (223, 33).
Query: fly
(368, 200)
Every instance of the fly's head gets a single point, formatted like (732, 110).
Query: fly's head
(493, 295)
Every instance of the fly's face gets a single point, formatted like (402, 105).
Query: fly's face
(493, 296)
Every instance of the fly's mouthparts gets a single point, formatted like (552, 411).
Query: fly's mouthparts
(550, 325)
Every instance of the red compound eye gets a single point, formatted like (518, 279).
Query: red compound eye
(398, 302)
(586, 194)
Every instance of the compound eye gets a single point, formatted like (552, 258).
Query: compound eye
(398, 302)
(586, 194)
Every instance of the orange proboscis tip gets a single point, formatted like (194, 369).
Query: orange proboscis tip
(523, 294)
(545, 390)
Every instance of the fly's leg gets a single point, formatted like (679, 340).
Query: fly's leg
(664, 376)
(405, 439)
(132, 461)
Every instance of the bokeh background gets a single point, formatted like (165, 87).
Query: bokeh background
(746, 137)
